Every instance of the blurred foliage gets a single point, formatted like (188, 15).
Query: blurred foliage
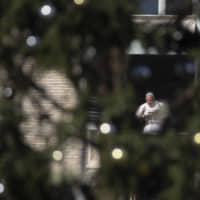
(89, 42)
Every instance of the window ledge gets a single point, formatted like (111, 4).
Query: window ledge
(159, 18)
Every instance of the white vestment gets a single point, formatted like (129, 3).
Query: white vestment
(153, 116)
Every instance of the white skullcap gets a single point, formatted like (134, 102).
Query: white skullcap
(149, 94)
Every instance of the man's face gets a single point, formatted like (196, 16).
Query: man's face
(150, 100)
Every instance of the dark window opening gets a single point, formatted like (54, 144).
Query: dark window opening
(174, 7)
(168, 76)
(148, 7)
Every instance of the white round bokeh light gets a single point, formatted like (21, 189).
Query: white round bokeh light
(197, 138)
(8, 92)
(117, 153)
(79, 2)
(2, 188)
(46, 10)
(32, 41)
(105, 128)
(57, 155)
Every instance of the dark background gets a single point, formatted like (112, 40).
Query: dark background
(167, 76)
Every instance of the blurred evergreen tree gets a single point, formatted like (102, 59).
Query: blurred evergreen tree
(94, 35)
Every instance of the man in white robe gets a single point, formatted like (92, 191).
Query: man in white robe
(153, 112)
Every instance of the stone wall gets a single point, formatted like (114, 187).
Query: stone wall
(40, 128)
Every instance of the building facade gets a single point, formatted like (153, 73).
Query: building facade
(80, 158)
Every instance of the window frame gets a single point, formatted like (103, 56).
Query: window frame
(93, 157)
(162, 8)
